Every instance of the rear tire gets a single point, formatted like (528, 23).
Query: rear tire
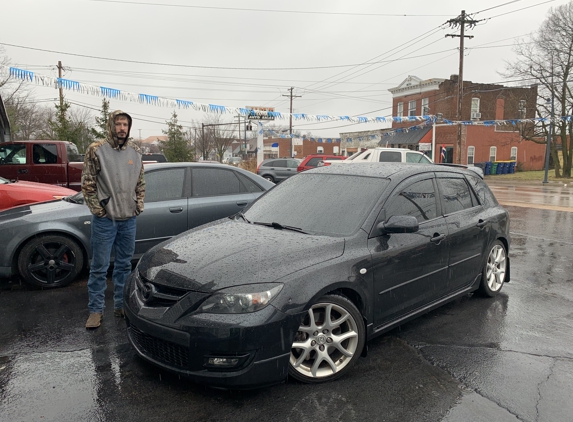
(328, 342)
(493, 274)
(50, 261)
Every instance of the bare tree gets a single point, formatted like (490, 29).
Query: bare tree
(547, 59)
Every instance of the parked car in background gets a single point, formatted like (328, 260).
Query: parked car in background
(18, 192)
(234, 161)
(297, 287)
(384, 155)
(151, 157)
(48, 244)
(278, 169)
(53, 162)
(311, 161)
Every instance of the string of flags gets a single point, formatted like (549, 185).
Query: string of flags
(113, 93)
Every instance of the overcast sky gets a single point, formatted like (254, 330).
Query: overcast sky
(250, 53)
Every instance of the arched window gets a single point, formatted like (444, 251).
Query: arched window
(492, 154)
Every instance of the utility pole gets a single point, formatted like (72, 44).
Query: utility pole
(461, 22)
(62, 115)
(290, 119)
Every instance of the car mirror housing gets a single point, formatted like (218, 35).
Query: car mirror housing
(399, 224)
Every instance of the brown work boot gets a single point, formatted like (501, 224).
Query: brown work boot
(120, 313)
(94, 320)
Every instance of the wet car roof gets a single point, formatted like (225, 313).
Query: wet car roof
(385, 170)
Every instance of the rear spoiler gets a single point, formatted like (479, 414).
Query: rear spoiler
(477, 170)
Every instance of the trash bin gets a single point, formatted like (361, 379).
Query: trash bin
(487, 167)
(493, 168)
(511, 167)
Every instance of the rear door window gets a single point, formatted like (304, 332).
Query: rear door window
(164, 185)
(213, 182)
(390, 157)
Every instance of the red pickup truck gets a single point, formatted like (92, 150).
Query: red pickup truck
(53, 162)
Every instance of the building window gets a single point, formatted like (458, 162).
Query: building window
(513, 155)
(522, 110)
(335, 150)
(492, 153)
(425, 106)
(471, 154)
(475, 114)
(320, 150)
(400, 110)
(412, 108)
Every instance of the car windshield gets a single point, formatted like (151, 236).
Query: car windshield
(325, 204)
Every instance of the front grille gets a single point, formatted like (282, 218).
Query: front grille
(161, 296)
(163, 351)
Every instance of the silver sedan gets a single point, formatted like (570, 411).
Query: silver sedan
(48, 244)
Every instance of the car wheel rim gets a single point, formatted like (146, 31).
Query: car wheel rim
(495, 270)
(325, 342)
(51, 262)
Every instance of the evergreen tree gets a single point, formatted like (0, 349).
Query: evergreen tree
(61, 126)
(100, 129)
(176, 148)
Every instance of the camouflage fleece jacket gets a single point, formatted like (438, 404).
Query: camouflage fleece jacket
(112, 177)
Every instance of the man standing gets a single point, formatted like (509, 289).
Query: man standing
(114, 188)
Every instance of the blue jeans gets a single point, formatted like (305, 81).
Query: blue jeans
(108, 235)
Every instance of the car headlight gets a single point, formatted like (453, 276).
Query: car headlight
(241, 299)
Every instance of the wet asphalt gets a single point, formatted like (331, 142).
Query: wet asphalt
(504, 359)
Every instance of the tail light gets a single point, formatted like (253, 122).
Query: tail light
(259, 166)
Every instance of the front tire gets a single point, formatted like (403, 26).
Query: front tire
(50, 261)
(493, 274)
(328, 342)
(269, 178)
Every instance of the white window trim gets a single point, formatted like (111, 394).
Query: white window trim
(492, 153)
(400, 109)
(472, 155)
(320, 150)
(513, 156)
(411, 110)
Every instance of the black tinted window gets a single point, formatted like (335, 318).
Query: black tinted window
(164, 185)
(483, 192)
(45, 154)
(211, 181)
(276, 163)
(417, 199)
(455, 193)
(249, 184)
(390, 156)
(313, 161)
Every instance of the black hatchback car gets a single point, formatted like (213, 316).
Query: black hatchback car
(296, 287)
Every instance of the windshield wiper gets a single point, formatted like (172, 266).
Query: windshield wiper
(279, 226)
(240, 214)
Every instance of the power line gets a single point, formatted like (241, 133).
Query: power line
(262, 10)
(202, 67)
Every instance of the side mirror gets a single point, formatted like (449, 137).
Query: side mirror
(399, 224)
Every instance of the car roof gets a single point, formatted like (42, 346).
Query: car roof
(388, 170)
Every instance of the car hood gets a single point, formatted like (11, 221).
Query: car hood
(233, 253)
(45, 212)
(22, 185)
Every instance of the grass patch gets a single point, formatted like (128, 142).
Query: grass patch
(537, 175)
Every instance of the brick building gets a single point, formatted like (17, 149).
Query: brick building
(481, 103)
(280, 147)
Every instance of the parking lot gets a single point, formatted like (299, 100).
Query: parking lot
(503, 359)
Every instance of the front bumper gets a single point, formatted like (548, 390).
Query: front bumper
(183, 343)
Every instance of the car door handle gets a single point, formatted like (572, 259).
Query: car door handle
(241, 203)
(20, 171)
(481, 223)
(437, 238)
(175, 210)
